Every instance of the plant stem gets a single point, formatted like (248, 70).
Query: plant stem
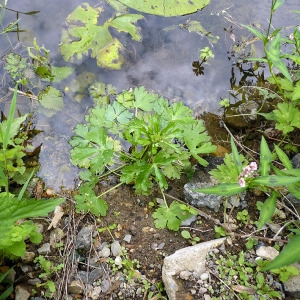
(109, 190)
(164, 197)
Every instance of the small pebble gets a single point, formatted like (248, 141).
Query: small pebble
(118, 261)
(116, 248)
(34, 281)
(44, 249)
(161, 246)
(185, 275)
(204, 276)
(105, 252)
(127, 238)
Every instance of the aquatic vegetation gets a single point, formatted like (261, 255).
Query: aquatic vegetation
(34, 72)
(83, 34)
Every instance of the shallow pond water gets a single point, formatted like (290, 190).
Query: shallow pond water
(162, 62)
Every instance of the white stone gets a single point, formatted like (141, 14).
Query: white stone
(95, 293)
(204, 276)
(267, 252)
(118, 261)
(190, 259)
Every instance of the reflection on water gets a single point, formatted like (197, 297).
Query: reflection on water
(162, 62)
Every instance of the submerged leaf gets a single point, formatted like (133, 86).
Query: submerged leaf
(84, 34)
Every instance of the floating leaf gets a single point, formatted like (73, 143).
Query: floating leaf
(167, 8)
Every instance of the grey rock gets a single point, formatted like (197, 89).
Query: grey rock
(189, 221)
(44, 249)
(92, 276)
(25, 268)
(21, 292)
(296, 161)
(28, 257)
(292, 285)
(267, 252)
(105, 252)
(161, 246)
(292, 200)
(190, 259)
(75, 287)
(105, 285)
(115, 248)
(214, 202)
(34, 281)
(200, 200)
(127, 238)
(274, 227)
(84, 238)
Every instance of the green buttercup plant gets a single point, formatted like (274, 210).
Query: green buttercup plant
(143, 139)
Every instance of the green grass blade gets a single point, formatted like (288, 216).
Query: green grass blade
(274, 180)
(255, 32)
(10, 119)
(265, 158)
(267, 210)
(236, 156)
(283, 158)
(3, 177)
(224, 189)
(7, 293)
(20, 196)
(289, 255)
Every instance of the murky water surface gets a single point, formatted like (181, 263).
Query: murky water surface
(162, 62)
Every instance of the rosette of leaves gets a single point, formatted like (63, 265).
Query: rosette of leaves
(84, 35)
(161, 139)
